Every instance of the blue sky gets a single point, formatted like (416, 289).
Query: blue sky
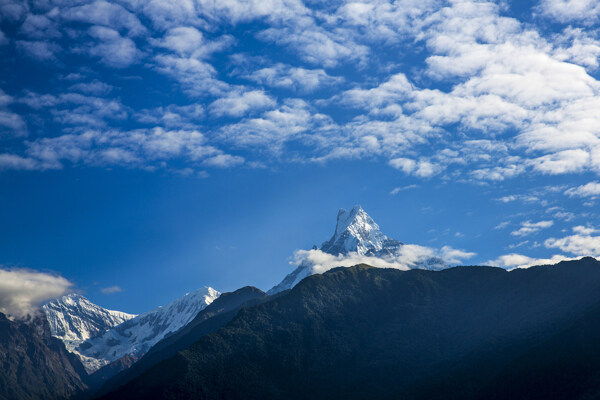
(148, 148)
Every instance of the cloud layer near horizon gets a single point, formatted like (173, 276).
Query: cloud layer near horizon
(409, 256)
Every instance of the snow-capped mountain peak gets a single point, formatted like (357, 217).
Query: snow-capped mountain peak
(357, 239)
(355, 231)
(74, 319)
(137, 335)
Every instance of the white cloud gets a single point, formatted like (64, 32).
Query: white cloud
(197, 78)
(421, 168)
(113, 49)
(577, 45)
(40, 27)
(409, 256)
(502, 225)
(136, 148)
(22, 291)
(111, 290)
(3, 39)
(239, 104)
(237, 11)
(223, 161)
(173, 116)
(562, 162)
(403, 188)
(581, 243)
(39, 50)
(496, 98)
(455, 256)
(528, 227)
(504, 76)
(316, 45)
(95, 88)
(274, 128)
(591, 189)
(16, 162)
(524, 198)
(296, 78)
(514, 260)
(12, 124)
(187, 41)
(77, 109)
(566, 11)
(107, 14)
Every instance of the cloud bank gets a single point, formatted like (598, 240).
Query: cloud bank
(409, 256)
(22, 291)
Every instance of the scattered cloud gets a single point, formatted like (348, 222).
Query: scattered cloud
(39, 50)
(111, 290)
(479, 96)
(591, 189)
(111, 48)
(403, 188)
(94, 88)
(566, 11)
(528, 227)
(295, 78)
(137, 148)
(514, 260)
(239, 104)
(455, 256)
(502, 225)
(223, 161)
(581, 243)
(420, 168)
(110, 15)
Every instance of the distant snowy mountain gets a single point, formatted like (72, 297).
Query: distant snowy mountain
(356, 233)
(74, 319)
(135, 336)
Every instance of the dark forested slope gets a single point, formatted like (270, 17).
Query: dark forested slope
(361, 332)
(34, 365)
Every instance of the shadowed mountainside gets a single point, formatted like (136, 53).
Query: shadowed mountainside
(35, 365)
(360, 332)
(209, 320)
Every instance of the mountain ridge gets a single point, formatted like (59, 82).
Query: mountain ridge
(137, 335)
(364, 332)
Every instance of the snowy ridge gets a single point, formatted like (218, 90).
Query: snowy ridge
(357, 239)
(74, 319)
(138, 334)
